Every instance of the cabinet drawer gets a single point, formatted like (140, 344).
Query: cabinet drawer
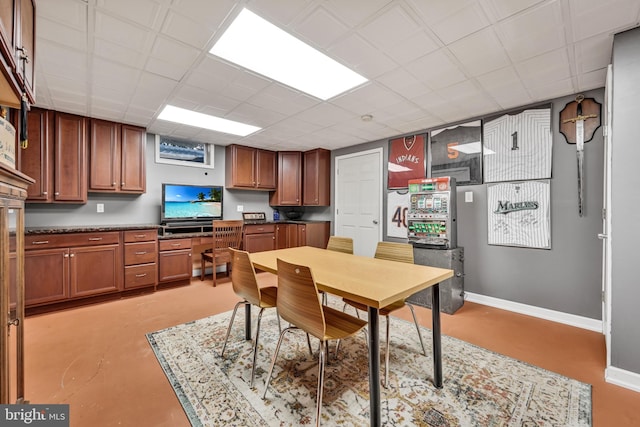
(140, 253)
(259, 228)
(140, 235)
(140, 275)
(43, 241)
(174, 244)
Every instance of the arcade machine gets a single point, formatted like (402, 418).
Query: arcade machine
(432, 230)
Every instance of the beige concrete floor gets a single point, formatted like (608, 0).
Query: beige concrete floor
(96, 358)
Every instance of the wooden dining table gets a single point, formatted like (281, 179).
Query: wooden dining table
(371, 281)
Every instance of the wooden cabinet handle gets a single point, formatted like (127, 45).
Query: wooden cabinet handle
(95, 239)
(141, 275)
(177, 245)
(40, 242)
(141, 253)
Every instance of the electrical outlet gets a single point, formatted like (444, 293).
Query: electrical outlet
(100, 207)
(468, 197)
(240, 208)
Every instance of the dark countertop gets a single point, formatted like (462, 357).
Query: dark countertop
(124, 227)
(87, 228)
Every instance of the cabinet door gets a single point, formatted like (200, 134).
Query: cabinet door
(7, 34)
(259, 242)
(104, 156)
(133, 175)
(36, 160)
(313, 234)
(175, 265)
(289, 180)
(46, 276)
(70, 159)
(240, 166)
(95, 270)
(266, 162)
(317, 179)
(25, 55)
(286, 236)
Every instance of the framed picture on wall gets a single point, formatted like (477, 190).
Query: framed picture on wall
(519, 214)
(184, 153)
(518, 145)
(456, 151)
(407, 160)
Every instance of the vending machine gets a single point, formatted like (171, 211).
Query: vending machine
(431, 218)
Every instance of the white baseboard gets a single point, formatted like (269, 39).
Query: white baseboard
(542, 313)
(626, 379)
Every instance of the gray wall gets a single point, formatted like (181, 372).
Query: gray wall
(625, 200)
(566, 278)
(145, 208)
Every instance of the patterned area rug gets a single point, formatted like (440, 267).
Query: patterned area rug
(481, 388)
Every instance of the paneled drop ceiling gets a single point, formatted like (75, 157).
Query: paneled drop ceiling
(429, 62)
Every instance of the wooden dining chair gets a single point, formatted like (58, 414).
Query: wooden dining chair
(400, 252)
(340, 244)
(299, 304)
(245, 285)
(226, 234)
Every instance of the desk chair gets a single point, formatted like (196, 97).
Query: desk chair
(340, 244)
(226, 234)
(401, 252)
(298, 304)
(245, 285)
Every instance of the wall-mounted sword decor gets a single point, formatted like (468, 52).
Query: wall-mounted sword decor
(578, 123)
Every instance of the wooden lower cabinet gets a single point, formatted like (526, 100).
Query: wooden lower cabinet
(313, 234)
(140, 258)
(71, 266)
(175, 261)
(286, 236)
(259, 237)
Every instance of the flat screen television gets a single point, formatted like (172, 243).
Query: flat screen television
(191, 203)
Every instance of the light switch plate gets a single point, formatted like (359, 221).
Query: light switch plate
(468, 196)
(100, 207)
(240, 208)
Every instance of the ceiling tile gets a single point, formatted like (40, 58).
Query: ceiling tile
(72, 13)
(187, 31)
(480, 53)
(506, 8)
(461, 23)
(321, 28)
(436, 69)
(145, 12)
(532, 32)
(356, 12)
(360, 56)
(389, 28)
(403, 83)
(121, 33)
(505, 87)
(592, 17)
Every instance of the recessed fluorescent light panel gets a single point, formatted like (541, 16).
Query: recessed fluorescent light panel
(260, 46)
(205, 121)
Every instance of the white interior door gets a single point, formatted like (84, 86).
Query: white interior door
(358, 196)
(606, 216)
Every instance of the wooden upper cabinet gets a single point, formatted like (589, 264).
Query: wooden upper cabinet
(25, 51)
(317, 179)
(17, 51)
(36, 160)
(104, 155)
(250, 168)
(133, 170)
(117, 158)
(289, 189)
(70, 158)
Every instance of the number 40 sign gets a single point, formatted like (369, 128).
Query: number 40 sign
(397, 207)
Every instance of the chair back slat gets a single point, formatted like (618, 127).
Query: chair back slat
(340, 244)
(298, 299)
(243, 277)
(392, 251)
(227, 234)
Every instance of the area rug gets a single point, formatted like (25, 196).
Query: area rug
(481, 388)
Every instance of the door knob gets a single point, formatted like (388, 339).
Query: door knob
(602, 236)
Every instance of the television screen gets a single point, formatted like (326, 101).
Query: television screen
(181, 202)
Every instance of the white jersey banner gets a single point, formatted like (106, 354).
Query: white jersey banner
(518, 146)
(519, 214)
(397, 207)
